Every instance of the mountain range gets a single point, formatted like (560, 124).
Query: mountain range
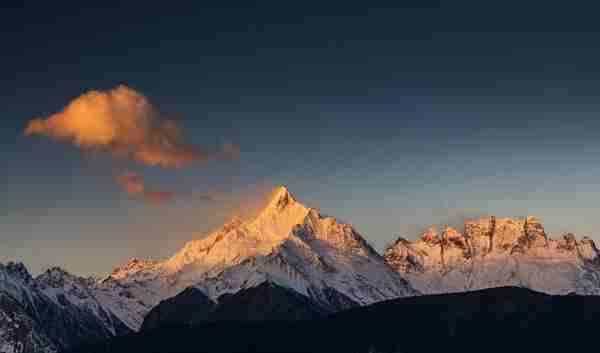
(493, 252)
(290, 262)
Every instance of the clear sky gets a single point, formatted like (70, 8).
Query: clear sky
(389, 118)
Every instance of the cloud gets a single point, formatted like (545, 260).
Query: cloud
(124, 123)
(134, 185)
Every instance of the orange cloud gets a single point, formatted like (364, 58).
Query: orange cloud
(134, 185)
(123, 122)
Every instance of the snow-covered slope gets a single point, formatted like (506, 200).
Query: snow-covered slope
(54, 311)
(494, 252)
(69, 291)
(287, 243)
(19, 332)
(19, 329)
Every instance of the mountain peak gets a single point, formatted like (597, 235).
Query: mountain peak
(494, 251)
(17, 270)
(56, 272)
(280, 198)
(134, 265)
(286, 243)
(56, 277)
(282, 204)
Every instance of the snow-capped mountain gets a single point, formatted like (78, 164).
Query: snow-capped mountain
(310, 262)
(19, 330)
(53, 312)
(493, 252)
(287, 243)
(67, 290)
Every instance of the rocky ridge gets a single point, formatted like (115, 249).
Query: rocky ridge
(52, 312)
(492, 252)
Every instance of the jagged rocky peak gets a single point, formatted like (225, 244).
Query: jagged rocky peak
(534, 233)
(403, 257)
(431, 235)
(506, 234)
(447, 236)
(589, 242)
(452, 237)
(239, 239)
(587, 250)
(282, 206)
(281, 198)
(16, 270)
(568, 242)
(450, 233)
(56, 277)
(485, 235)
(400, 241)
(494, 251)
(132, 267)
(279, 217)
(341, 236)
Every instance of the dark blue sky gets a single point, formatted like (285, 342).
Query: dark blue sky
(390, 118)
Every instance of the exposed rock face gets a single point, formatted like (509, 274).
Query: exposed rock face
(431, 236)
(404, 258)
(134, 266)
(495, 252)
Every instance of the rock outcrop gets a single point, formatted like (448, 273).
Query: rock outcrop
(492, 252)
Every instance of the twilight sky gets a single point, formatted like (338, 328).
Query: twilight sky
(388, 118)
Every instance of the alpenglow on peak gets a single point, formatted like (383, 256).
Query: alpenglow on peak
(280, 198)
(288, 244)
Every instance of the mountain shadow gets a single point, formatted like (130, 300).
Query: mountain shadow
(487, 320)
(265, 302)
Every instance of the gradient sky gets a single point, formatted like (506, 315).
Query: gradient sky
(388, 118)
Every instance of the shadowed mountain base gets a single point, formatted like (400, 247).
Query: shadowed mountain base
(265, 302)
(487, 320)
